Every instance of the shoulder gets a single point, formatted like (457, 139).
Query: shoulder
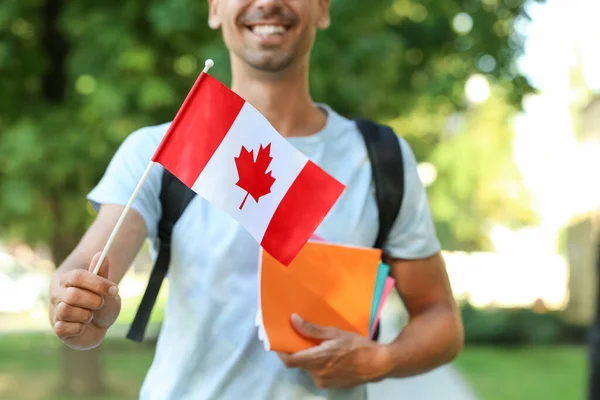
(346, 138)
(350, 129)
(124, 171)
(133, 156)
(338, 126)
(137, 149)
(408, 156)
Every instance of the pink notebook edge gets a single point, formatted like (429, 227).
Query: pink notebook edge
(387, 289)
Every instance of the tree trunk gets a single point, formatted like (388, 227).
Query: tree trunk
(82, 374)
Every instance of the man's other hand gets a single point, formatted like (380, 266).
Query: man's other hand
(342, 359)
(83, 305)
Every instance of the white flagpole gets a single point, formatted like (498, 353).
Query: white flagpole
(207, 65)
(122, 217)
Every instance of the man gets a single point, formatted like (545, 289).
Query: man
(208, 346)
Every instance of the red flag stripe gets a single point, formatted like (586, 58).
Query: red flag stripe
(297, 217)
(203, 121)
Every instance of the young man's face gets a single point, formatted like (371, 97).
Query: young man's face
(269, 35)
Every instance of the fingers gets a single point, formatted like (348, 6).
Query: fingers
(81, 298)
(68, 313)
(313, 331)
(104, 268)
(83, 279)
(65, 330)
(314, 357)
(78, 297)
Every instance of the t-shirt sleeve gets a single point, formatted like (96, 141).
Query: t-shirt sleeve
(123, 174)
(413, 234)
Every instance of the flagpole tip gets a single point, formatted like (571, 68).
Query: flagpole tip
(208, 64)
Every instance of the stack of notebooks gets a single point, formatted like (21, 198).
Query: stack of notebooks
(326, 284)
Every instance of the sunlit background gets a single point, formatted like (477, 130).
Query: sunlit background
(512, 168)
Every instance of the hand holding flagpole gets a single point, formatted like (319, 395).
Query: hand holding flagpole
(207, 65)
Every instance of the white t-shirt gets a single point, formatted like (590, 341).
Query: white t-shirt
(208, 346)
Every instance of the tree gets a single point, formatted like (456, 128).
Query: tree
(478, 184)
(78, 76)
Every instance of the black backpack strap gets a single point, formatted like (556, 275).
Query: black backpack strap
(387, 165)
(174, 198)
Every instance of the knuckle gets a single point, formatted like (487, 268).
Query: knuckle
(54, 297)
(61, 311)
(60, 328)
(65, 330)
(100, 287)
(328, 331)
(72, 295)
(75, 277)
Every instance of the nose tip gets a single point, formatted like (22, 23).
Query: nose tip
(269, 9)
(267, 3)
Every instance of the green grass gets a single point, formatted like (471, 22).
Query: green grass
(30, 367)
(30, 370)
(549, 373)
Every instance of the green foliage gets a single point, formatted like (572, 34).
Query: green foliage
(391, 56)
(78, 76)
(478, 184)
(518, 327)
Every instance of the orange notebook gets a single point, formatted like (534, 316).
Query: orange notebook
(326, 284)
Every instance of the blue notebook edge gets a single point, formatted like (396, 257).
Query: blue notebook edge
(382, 273)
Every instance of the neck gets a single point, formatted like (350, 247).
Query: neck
(283, 97)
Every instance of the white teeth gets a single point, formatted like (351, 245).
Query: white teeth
(268, 30)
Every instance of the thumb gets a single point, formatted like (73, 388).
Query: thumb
(104, 268)
(313, 331)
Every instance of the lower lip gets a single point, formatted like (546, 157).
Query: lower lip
(269, 40)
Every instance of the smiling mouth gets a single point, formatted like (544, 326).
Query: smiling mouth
(268, 30)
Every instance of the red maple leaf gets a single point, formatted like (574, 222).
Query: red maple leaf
(253, 176)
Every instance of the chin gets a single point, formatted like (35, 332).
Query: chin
(274, 67)
(274, 64)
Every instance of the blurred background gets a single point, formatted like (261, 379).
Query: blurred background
(499, 99)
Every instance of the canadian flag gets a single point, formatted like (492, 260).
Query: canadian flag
(221, 147)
